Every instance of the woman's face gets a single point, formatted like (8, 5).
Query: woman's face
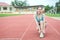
(39, 10)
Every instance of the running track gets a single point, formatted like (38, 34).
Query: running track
(23, 28)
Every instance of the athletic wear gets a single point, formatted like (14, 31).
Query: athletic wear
(40, 18)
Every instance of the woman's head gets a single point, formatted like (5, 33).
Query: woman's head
(40, 10)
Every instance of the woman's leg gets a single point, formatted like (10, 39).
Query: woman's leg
(44, 26)
(42, 29)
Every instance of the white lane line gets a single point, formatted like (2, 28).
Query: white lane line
(9, 38)
(26, 31)
(54, 29)
(55, 18)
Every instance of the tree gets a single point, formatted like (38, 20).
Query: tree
(13, 3)
(58, 6)
(19, 3)
(47, 8)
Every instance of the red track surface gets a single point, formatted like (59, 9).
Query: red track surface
(23, 28)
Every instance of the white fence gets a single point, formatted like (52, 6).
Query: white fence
(52, 11)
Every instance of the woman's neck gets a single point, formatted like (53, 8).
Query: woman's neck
(39, 14)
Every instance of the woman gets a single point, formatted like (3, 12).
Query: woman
(40, 20)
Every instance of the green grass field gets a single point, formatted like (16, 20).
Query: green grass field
(4, 15)
(53, 15)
